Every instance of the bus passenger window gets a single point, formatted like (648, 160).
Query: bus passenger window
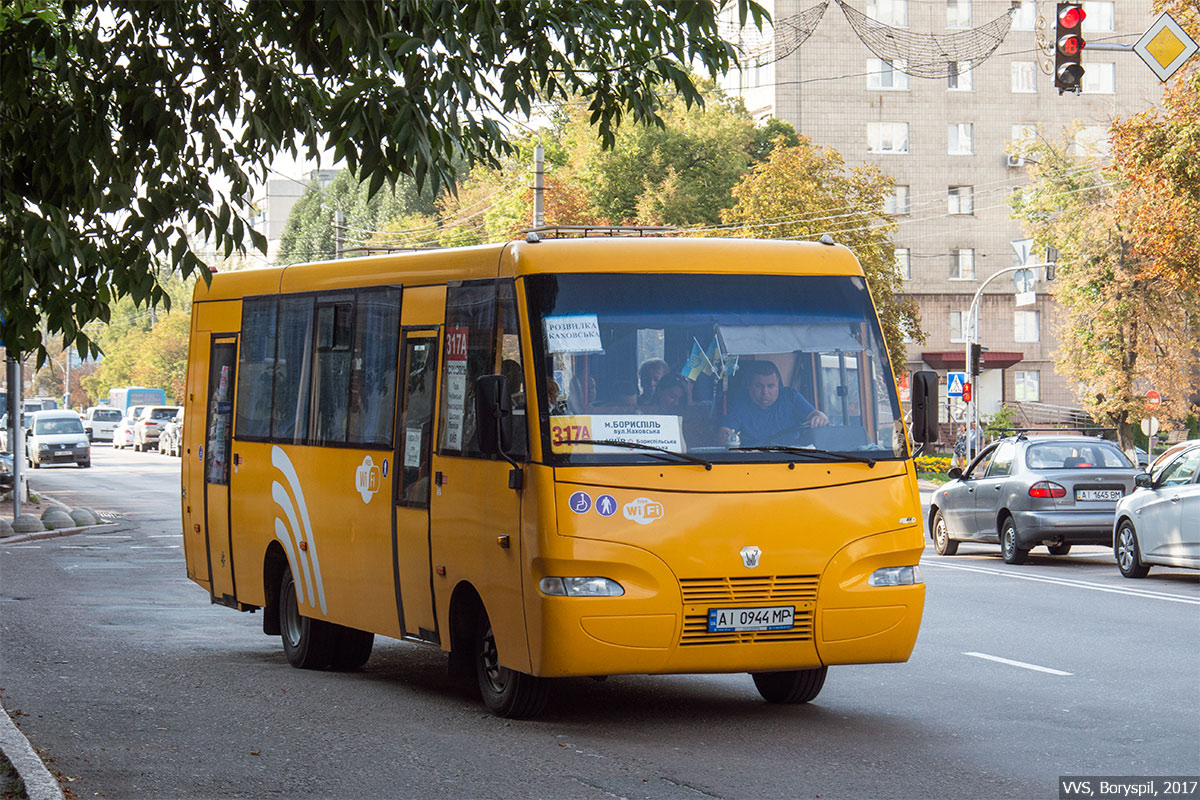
(255, 371)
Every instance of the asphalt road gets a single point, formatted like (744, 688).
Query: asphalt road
(117, 668)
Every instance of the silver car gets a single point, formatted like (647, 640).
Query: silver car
(1160, 522)
(1024, 491)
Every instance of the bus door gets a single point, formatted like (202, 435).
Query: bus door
(412, 479)
(475, 511)
(218, 438)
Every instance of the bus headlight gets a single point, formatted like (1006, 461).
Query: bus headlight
(896, 576)
(580, 587)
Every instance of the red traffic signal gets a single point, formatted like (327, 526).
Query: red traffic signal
(1068, 48)
(1071, 15)
(966, 392)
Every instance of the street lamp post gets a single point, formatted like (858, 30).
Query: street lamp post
(972, 337)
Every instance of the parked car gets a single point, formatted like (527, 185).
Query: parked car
(57, 437)
(6, 472)
(100, 422)
(149, 425)
(170, 441)
(1170, 453)
(1160, 522)
(1028, 490)
(123, 433)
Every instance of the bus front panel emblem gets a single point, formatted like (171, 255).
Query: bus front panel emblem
(750, 556)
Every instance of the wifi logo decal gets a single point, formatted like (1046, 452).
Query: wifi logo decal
(297, 541)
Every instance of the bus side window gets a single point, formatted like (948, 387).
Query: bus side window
(477, 342)
(256, 368)
(511, 366)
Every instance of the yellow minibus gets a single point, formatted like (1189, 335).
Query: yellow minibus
(558, 457)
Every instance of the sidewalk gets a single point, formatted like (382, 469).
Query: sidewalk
(20, 765)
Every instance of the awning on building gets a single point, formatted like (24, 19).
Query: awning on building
(956, 359)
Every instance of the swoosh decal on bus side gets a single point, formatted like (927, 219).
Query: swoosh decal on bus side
(282, 463)
(300, 573)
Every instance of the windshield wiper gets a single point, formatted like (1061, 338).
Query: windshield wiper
(640, 446)
(809, 451)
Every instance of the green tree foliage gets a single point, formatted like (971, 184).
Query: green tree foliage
(155, 357)
(680, 174)
(114, 115)
(803, 191)
(1122, 328)
(309, 234)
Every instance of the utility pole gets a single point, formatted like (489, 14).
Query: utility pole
(539, 215)
(67, 379)
(339, 223)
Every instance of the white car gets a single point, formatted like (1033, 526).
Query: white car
(57, 437)
(123, 433)
(100, 421)
(1160, 522)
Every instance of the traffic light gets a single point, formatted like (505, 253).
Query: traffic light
(966, 392)
(976, 358)
(1068, 48)
(924, 392)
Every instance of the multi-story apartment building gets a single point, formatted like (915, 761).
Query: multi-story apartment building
(945, 141)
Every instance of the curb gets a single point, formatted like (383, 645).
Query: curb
(39, 783)
(107, 527)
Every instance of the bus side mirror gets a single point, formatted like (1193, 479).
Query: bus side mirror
(924, 406)
(493, 414)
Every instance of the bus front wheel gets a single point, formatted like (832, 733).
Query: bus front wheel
(506, 692)
(794, 686)
(308, 643)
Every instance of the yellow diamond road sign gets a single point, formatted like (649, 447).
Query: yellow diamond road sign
(1165, 46)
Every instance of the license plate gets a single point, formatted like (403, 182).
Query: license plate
(1103, 495)
(770, 618)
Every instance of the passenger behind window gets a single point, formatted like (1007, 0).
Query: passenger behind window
(649, 374)
(670, 395)
(516, 383)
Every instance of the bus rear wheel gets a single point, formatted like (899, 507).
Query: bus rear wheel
(794, 686)
(352, 647)
(308, 643)
(506, 692)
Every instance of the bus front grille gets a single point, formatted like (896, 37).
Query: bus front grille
(701, 594)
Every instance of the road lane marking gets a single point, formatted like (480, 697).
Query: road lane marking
(1095, 587)
(1020, 664)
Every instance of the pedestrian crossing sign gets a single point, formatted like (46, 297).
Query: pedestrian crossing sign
(954, 383)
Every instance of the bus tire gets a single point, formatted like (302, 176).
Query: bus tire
(794, 686)
(308, 643)
(506, 692)
(351, 647)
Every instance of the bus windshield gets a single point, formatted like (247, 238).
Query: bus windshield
(730, 368)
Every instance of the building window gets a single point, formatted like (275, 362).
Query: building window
(887, 75)
(1026, 16)
(1024, 76)
(959, 76)
(904, 263)
(889, 12)
(1100, 78)
(961, 199)
(1025, 326)
(958, 13)
(962, 264)
(896, 204)
(887, 137)
(957, 334)
(1101, 17)
(1028, 385)
(961, 139)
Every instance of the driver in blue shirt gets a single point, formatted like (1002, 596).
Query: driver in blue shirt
(772, 413)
